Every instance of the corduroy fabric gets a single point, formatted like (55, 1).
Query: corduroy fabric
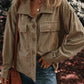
(58, 39)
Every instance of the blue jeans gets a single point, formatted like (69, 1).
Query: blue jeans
(43, 76)
(26, 80)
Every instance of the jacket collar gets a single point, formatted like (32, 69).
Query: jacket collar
(24, 8)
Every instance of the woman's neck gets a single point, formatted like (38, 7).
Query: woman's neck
(35, 6)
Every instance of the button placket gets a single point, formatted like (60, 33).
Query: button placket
(34, 35)
(33, 25)
(33, 52)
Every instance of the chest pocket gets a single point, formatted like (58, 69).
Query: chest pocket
(50, 27)
(26, 28)
(24, 36)
(48, 36)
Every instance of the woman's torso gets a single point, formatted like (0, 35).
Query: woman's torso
(38, 34)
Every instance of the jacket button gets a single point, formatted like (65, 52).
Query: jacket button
(32, 20)
(33, 25)
(33, 52)
(33, 39)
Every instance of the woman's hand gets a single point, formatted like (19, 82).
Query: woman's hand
(4, 80)
(44, 64)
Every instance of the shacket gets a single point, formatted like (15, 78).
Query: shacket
(61, 36)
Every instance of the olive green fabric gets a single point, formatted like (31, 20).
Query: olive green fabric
(56, 39)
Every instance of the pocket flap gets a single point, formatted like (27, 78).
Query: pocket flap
(49, 26)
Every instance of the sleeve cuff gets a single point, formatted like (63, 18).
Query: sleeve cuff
(4, 73)
(54, 57)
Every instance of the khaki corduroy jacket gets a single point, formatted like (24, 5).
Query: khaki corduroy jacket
(55, 34)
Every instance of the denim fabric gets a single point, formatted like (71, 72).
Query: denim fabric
(45, 76)
(26, 80)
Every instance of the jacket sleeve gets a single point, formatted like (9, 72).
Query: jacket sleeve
(74, 40)
(8, 43)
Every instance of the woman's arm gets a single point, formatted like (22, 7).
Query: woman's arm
(74, 40)
(8, 44)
